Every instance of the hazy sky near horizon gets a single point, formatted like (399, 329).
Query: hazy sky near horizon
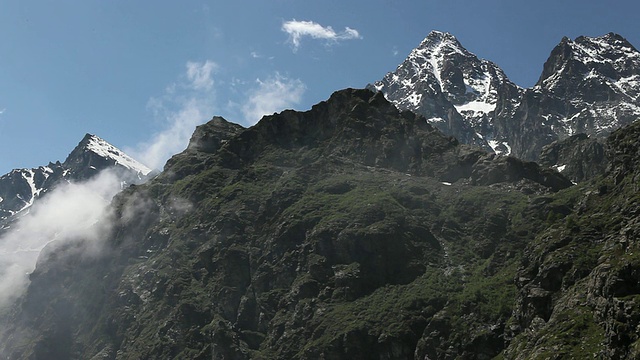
(143, 74)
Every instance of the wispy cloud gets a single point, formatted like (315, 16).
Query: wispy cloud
(298, 29)
(276, 93)
(175, 137)
(200, 74)
(184, 105)
(3, 110)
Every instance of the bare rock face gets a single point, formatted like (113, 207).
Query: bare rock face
(211, 136)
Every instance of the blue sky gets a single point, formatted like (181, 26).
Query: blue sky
(143, 74)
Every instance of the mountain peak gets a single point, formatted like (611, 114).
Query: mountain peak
(452, 88)
(436, 37)
(93, 150)
(439, 43)
(609, 56)
(611, 39)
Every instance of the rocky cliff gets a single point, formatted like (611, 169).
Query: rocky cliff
(578, 281)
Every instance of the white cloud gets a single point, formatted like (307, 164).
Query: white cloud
(183, 106)
(200, 74)
(3, 110)
(271, 95)
(175, 137)
(192, 101)
(298, 29)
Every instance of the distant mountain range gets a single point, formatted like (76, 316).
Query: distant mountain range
(589, 85)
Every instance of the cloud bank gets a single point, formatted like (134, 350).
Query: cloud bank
(299, 29)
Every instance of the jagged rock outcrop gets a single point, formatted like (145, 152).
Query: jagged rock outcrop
(206, 139)
(589, 85)
(352, 230)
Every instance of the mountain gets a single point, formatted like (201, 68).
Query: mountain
(20, 188)
(359, 230)
(457, 92)
(589, 85)
(94, 154)
(352, 230)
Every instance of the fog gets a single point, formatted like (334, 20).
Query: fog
(70, 212)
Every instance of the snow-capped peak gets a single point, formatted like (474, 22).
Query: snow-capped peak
(608, 58)
(610, 48)
(455, 90)
(441, 40)
(102, 148)
(435, 49)
(588, 85)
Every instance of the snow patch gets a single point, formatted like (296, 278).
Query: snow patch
(476, 107)
(27, 175)
(414, 99)
(560, 168)
(497, 146)
(494, 146)
(508, 152)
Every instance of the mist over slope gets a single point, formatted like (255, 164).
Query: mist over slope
(58, 203)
